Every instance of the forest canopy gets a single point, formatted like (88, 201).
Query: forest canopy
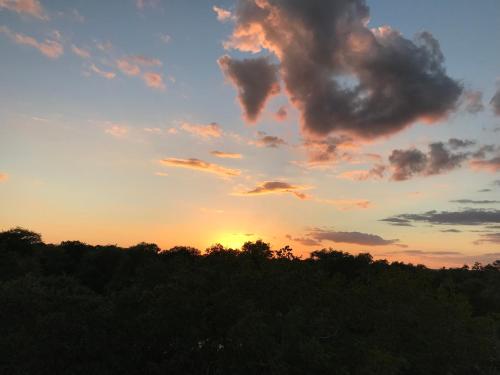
(73, 308)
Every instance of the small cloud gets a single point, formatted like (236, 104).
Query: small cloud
(472, 201)
(53, 49)
(347, 204)
(473, 101)
(277, 187)
(281, 114)
(154, 80)
(172, 131)
(222, 14)
(152, 130)
(102, 73)
(377, 172)
(226, 155)
(161, 174)
(201, 165)
(127, 67)
(493, 238)
(212, 130)
(495, 102)
(142, 4)
(357, 238)
(4, 177)
(165, 38)
(117, 131)
(104, 46)
(31, 8)
(265, 140)
(80, 52)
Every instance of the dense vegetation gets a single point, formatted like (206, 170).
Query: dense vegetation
(78, 309)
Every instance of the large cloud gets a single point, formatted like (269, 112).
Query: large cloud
(439, 159)
(468, 216)
(340, 74)
(256, 80)
(201, 165)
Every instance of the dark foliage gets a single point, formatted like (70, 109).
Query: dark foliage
(77, 309)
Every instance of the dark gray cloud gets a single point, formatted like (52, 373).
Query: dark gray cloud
(407, 163)
(451, 231)
(495, 103)
(467, 216)
(326, 150)
(392, 81)
(256, 80)
(265, 140)
(456, 143)
(472, 201)
(350, 237)
(439, 159)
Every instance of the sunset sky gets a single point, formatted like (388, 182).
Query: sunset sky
(363, 126)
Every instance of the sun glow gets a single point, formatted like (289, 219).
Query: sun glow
(234, 240)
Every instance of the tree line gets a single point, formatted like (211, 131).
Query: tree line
(73, 308)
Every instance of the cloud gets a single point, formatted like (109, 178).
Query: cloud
(471, 201)
(395, 81)
(80, 52)
(456, 143)
(102, 73)
(439, 159)
(451, 231)
(161, 174)
(277, 187)
(327, 150)
(154, 80)
(469, 216)
(265, 140)
(473, 101)
(3, 177)
(488, 238)
(31, 8)
(281, 114)
(142, 4)
(256, 81)
(357, 238)
(212, 130)
(117, 130)
(201, 165)
(222, 14)
(53, 49)
(375, 173)
(495, 102)
(347, 204)
(490, 165)
(127, 67)
(226, 155)
(165, 38)
(305, 241)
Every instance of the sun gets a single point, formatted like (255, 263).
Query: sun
(234, 240)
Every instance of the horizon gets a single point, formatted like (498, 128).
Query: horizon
(373, 127)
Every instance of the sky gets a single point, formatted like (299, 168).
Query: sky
(364, 126)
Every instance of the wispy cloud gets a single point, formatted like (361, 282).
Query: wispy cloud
(154, 80)
(226, 155)
(347, 204)
(469, 216)
(276, 187)
(105, 74)
(31, 8)
(201, 165)
(51, 48)
(116, 130)
(357, 238)
(80, 52)
(265, 140)
(212, 130)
